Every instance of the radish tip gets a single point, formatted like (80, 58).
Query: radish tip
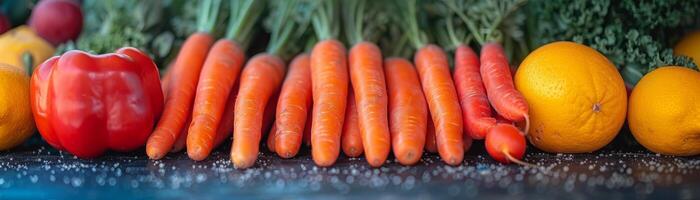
(518, 161)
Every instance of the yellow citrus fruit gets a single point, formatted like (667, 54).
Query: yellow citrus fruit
(16, 123)
(664, 111)
(689, 46)
(577, 98)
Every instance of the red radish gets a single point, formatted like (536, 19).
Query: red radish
(504, 98)
(57, 21)
(506, 144)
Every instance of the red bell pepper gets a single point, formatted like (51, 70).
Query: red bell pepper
(87, 104)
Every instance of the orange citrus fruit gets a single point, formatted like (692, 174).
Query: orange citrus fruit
(664, 111)
(16, 122)
(689, 46)
(577, 98)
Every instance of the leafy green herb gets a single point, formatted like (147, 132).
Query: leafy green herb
(636, 35)
(154, 26)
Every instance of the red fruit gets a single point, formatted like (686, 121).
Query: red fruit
(505, 139)
(4, 24)
(57, 21)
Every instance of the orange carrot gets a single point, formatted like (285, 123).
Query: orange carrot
(260, 80)
(271, 110)
(472, 94)
(218, 75)
(408, 110)
(164, 81)
(180, 142)
(269, 122)
(307, 129)
(293, 108)
(225, 128)
(271, 137)
(351, 138)
(504, 98)
(178, 102)
(443, 102)
(369, 85)
(329, 79)
(430, 145)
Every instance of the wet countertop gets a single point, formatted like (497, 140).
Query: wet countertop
(37, 171)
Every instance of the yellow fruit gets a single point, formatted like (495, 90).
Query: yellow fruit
(664, 111)
(577, 98)
(689, 46)
(18, 41)
(16, 123)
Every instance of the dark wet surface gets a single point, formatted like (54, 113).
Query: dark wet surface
(38, 171)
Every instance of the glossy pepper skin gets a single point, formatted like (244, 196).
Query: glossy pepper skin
(88, 104)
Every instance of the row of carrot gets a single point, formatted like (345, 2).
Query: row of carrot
(331, 99)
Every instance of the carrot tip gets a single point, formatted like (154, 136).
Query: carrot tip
(285, 154)
(452, 161)
(409, 155)
(196, 154)
(241, 165)
(153, 154)
(375, 162)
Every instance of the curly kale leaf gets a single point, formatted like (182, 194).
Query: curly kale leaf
(635, 35)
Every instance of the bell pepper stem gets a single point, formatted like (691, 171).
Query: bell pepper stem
(28, 62)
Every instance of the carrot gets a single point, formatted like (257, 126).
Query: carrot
(307, 130)
(506, 144)
(365, 64)
(430, 145)
(178, 102)
(351, 138)
(439, 90)
(185, 72)
(270, 110)
(260, 79)
(223, 131)
(271, 137)
(408, 110)
(269, 122)
(369, 85)
(329, 79)
(165, 80)
(293, 108)
(225, 128)
(180, 142)
(467, 142)
(472, 94)
(218, 75)
(504, 98)
(443, 102)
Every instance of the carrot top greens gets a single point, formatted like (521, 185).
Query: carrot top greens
(480, 22)
(207, 15)
(362, 20)
(288, 24)
(326, 19)
(242, 17)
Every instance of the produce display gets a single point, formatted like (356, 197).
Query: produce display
(383, 82)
